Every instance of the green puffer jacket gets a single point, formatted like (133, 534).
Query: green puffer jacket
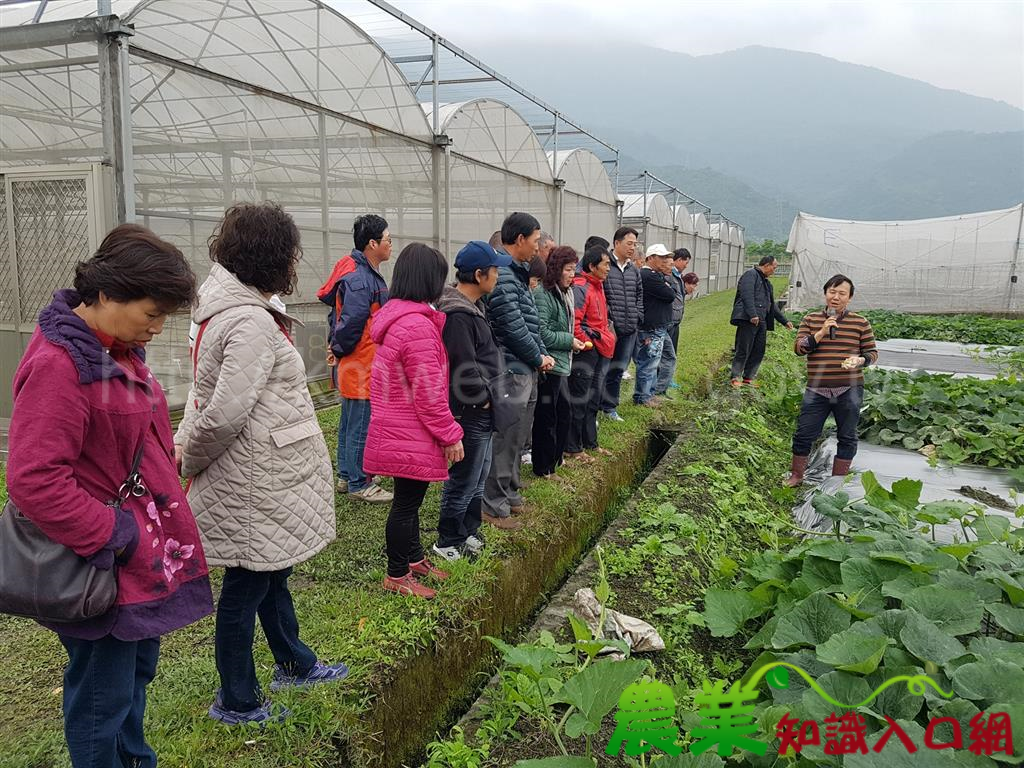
(513, 319)
(555, 328)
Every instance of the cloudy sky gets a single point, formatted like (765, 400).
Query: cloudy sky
(976, 46)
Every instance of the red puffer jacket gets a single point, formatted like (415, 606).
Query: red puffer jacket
(410, 421)
(592, 314)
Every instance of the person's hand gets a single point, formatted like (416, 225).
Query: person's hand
(790, 327)
(331, 359)
(178, 453)
(854, 361)
(547, 362)
(755, 320)
(830, 322)
(453, 454)
(577, 345)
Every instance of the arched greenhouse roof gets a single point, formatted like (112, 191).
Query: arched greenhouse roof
(583, 173)
(657, 209)
(684, 220)
(700, 225)
(492, 132)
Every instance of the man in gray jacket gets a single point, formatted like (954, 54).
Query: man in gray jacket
(667, 367)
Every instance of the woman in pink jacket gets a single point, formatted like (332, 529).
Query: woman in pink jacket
(412, 436)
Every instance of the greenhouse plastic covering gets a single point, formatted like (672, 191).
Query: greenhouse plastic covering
(967, 263)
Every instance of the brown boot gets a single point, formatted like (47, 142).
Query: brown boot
(504, 523)
(796, 471)
(841, 467)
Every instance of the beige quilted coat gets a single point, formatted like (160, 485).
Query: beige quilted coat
(262, 488)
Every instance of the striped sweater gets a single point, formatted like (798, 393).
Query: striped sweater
(825, 358)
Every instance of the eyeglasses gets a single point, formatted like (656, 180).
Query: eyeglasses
(385, 240)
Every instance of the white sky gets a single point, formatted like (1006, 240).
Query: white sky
(976, 46)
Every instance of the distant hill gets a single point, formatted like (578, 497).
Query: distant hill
(794, 127)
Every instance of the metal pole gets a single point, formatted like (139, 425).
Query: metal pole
(1014, 277)
(434, 85)
(115, 101)
(325, 207)
(448, 201)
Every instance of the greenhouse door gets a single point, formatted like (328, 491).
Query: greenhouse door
(51, 217)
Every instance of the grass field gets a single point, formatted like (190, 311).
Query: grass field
(345, 615)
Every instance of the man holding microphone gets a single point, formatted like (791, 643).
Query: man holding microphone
(838, 345)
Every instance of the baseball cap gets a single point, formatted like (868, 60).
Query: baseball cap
(478, 254)
(657, 250)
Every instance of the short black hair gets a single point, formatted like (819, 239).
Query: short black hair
(419, 275)
(593, 257)
(517, 224)
(835, 280)
(595, 240)
(495, 241)
(681, 253)
(133, 263)
(366, 228)
(537, 267)
(766, 260)
(621, 232)
(469, 275)
(259, 244)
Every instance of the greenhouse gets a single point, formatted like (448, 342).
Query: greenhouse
(586, 199)
(966, 263)
(651, 216)
(702, 250)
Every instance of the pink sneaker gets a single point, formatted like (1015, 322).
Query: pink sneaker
(426, 568)
(408, 585)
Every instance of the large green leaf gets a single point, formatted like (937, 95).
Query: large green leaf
(820, 573)
(990, 647)
(841, 686)
(956, 611)
(894, 755)
(853, 650)
(986, 591)
(990, 680)
(596, 690)
(556, 762)
(888, 623)
(531, 659)
(726, 610)
(814, 620)
(896, 701)
(906, 583)
(1012, 586)
(1009, 618)
(927, 642)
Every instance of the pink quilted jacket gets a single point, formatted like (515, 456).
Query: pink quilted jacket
(410, 421)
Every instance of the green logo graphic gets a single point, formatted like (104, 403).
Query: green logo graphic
(644, 720)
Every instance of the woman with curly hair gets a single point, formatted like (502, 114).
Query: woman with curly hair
(555, 307)
(261, 483)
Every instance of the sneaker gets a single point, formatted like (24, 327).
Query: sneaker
(320, 673)
(504, 523)
(451, 554)
(372, 494)
(263, 714)
(426, 568)
(626, 375)
(736, 383)
(613, 416)
(407, 585)
(475, 543)
(673, 385)
(341, 486)
(526, 458)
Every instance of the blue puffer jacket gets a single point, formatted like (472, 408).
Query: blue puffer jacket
(514, 321)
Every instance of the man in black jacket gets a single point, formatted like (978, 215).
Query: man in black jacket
(625, 293)
(754, 313)
(659, 295)
(474, 365)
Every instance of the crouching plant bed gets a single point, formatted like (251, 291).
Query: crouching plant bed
(880, 599)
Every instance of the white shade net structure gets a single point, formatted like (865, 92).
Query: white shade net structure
(967, 263)
(701, 263)
(651, 216)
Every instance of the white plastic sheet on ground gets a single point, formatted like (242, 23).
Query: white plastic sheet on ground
(937, 357)
(953, 264)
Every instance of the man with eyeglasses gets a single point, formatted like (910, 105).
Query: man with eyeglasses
(355, 291)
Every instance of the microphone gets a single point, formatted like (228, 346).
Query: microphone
(832, 330)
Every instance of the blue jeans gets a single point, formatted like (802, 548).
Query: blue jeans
(462, 495)
(648, 357)
(352, 429)
(815, 409)
(624, 347)
(245, 594)
(667, 367)
(105, 700)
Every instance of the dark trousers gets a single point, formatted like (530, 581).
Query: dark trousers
(815, 409)
(749, 349)
(586, 390)
(551, 421)
(105, 700)
(245, 595)
(624, 346)
(402, 532)
(462, 496)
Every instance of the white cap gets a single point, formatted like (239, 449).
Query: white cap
(658, 249)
